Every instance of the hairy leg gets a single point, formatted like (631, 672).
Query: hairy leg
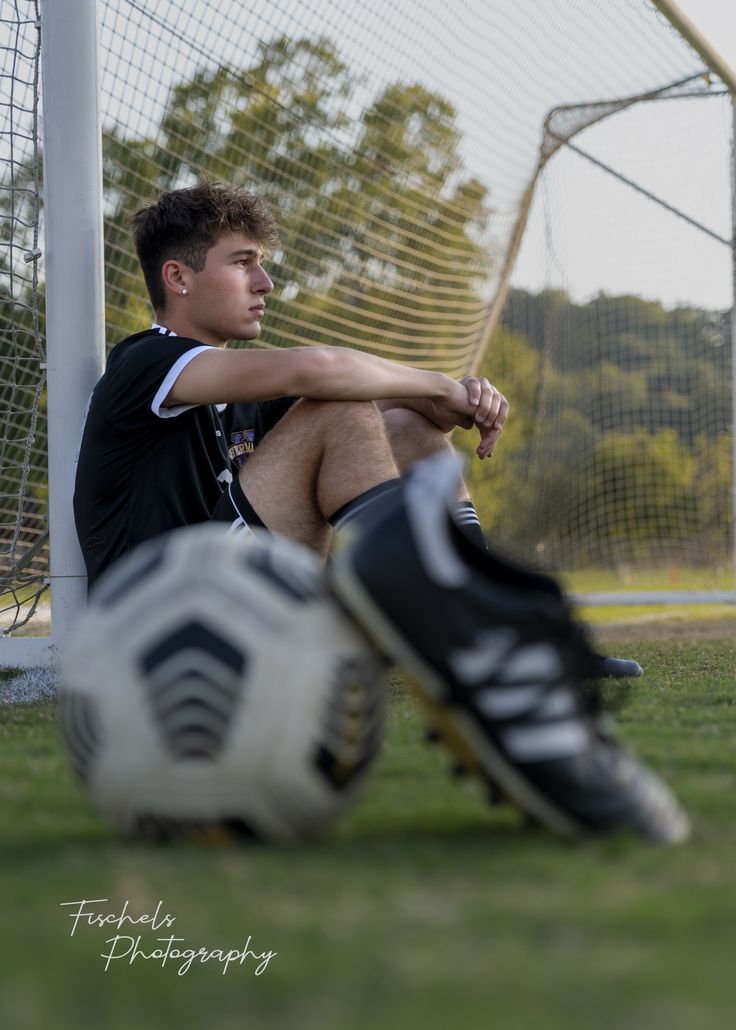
(413, 437)
(320, 456)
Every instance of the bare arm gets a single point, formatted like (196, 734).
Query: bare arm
(219, 376)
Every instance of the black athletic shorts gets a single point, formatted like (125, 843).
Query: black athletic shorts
(235, 508)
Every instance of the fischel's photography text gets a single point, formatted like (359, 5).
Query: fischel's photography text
(166, 950)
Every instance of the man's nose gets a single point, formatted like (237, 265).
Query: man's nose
(263, 284)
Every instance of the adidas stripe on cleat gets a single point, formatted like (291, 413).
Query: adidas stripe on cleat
(498, 662)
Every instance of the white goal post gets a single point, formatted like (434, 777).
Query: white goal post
(74, 265)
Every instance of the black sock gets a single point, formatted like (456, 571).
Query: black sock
(362, 502)
(467, 518)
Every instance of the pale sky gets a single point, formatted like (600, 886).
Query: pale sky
(716, 19)
(627, 245)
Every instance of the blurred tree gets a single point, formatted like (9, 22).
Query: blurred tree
(638, 490)
(712, 487)
(381, 229)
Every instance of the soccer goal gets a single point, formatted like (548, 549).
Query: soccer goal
(619, 316)
(538, 192)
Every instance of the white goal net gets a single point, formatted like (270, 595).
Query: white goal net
(540, 192)
(23, 470)
(616, 334)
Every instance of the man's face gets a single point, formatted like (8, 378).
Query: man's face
(227, 298)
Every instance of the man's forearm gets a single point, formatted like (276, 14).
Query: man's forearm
(335, 373)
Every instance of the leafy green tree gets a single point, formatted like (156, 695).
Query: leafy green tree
(639, 490)
(713, 489)
(638, 364)
(408, 222)
(381, 229)
(506, 489)
(275, 127)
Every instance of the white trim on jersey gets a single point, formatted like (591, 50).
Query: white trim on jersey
(158, 399)
(167, 385)
(238, 525)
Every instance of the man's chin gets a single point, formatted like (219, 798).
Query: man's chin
(251, 332)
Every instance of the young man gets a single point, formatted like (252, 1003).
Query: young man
(492, 649)
(158, 450)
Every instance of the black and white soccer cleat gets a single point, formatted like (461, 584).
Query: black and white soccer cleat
(497, 661)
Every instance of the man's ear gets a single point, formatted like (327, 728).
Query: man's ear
(175, 276)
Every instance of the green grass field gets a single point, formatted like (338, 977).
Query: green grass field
(424, 908)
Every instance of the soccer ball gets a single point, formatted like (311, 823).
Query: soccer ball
(214, 687)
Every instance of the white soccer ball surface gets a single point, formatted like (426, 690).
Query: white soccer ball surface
(214, 684)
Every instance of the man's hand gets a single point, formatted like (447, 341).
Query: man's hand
(482, 406)
(491, 412)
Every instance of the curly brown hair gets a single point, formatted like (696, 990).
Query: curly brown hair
(184, 224)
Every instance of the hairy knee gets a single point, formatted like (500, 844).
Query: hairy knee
(404, 424)
(412, 436)
(404, 420)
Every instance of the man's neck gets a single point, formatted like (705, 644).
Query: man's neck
(181, 327)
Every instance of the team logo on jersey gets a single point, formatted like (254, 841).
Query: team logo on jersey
(241, 445)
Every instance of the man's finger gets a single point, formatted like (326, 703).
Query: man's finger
(472, 385)
(485, 404)
(488, 442)
(503, 413)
